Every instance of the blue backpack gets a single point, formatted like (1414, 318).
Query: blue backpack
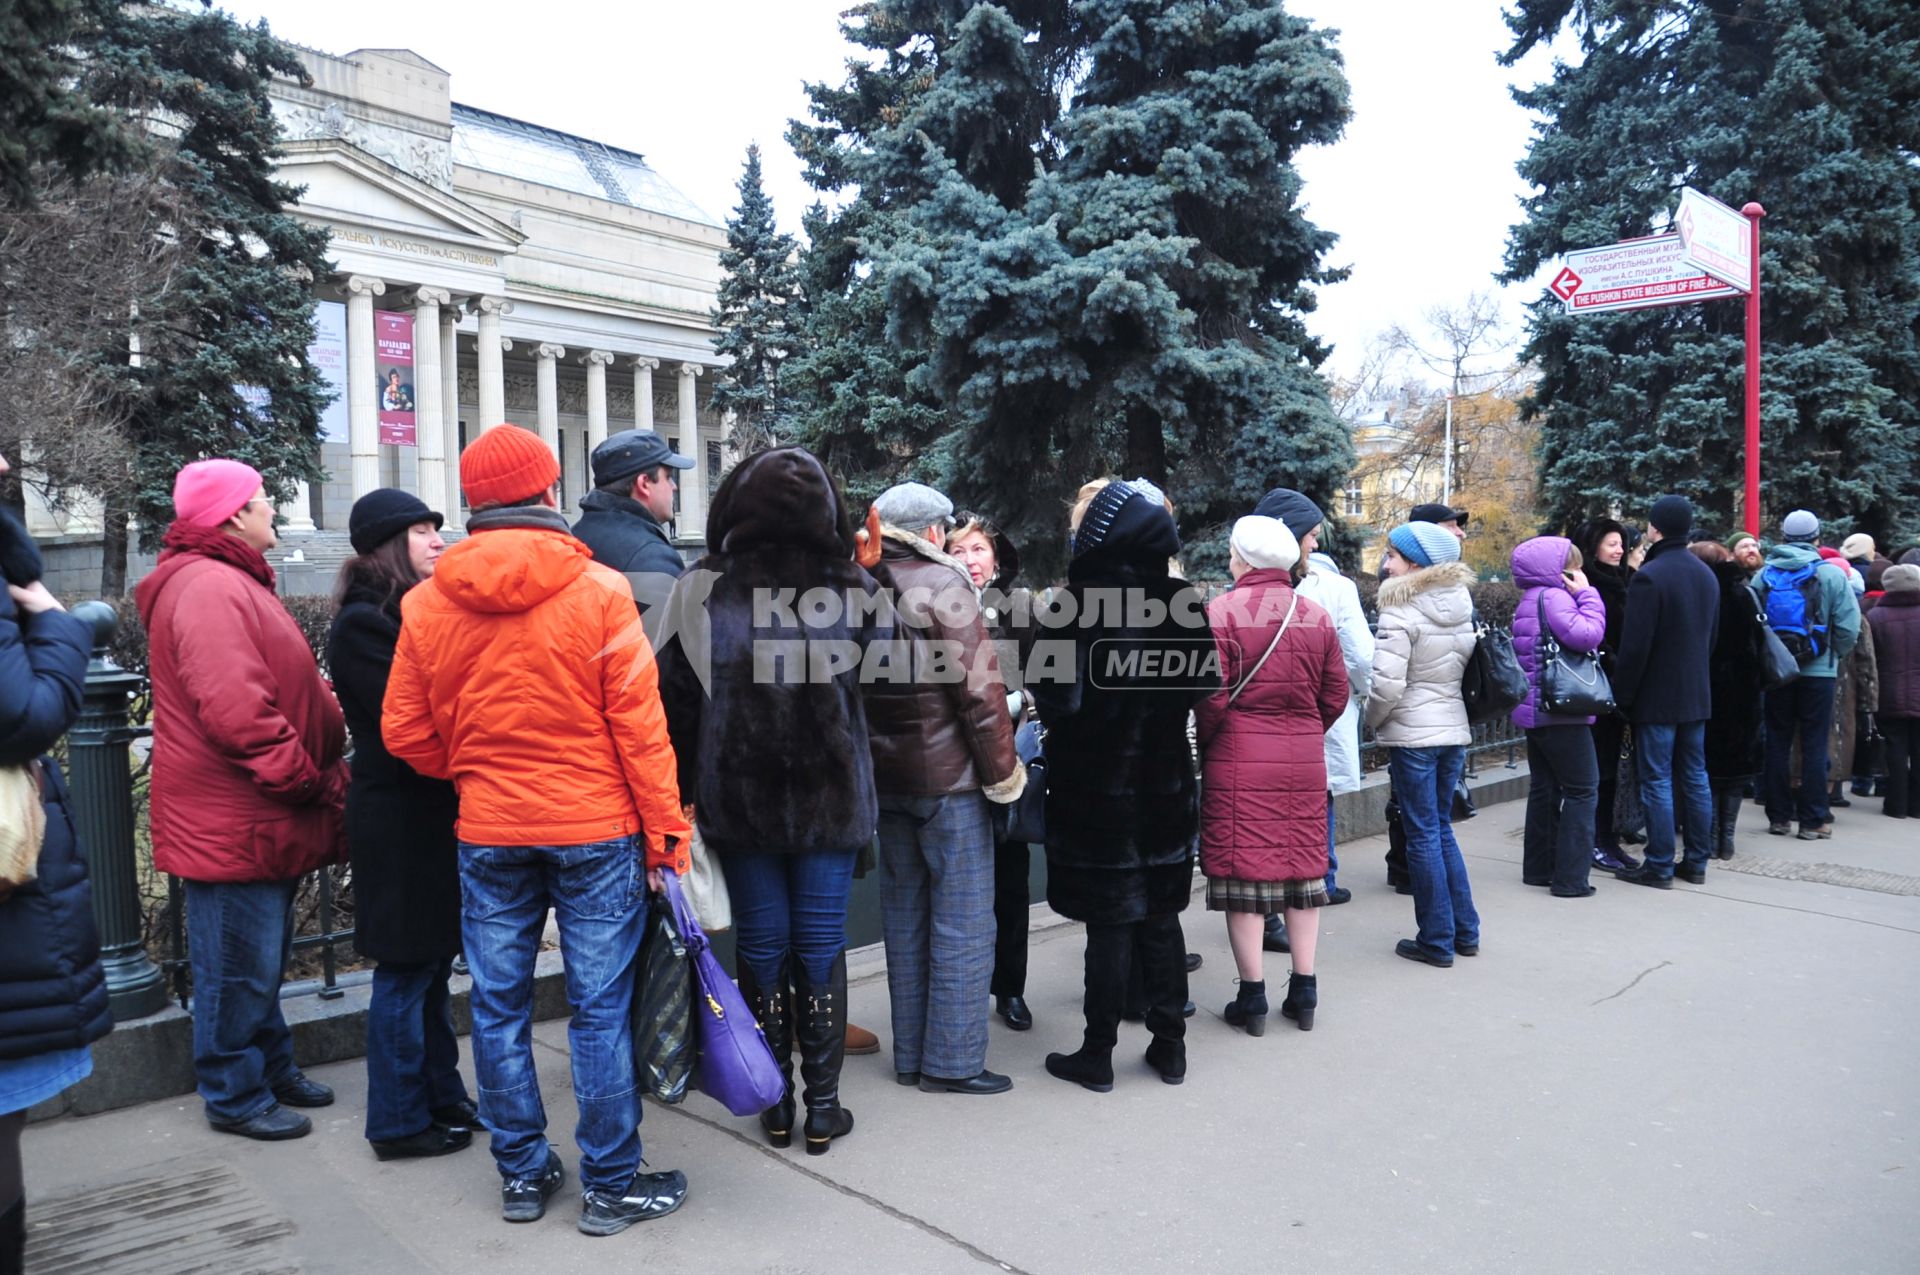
(1793, 610)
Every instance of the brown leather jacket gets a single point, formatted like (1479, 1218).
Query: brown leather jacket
(939, 724)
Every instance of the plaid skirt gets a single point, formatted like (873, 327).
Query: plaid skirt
(1231, 894)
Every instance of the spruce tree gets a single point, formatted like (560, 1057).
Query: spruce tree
(757, 315)
(223, 367)
(46, 116)
(1087, 226)
(1812, 108)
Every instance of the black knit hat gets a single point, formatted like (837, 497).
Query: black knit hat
(383, 513)
(1672, 516)
(1123, 520)
(1291, 507)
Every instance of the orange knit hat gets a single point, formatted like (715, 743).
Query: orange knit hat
(506, 464)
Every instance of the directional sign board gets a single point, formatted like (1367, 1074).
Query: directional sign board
(1635, 274)
(1715, 238)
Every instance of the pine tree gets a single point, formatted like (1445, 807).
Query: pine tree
(223, 368)
(1812, 108)
(45, 114)
(757, 315)
(1087, 226)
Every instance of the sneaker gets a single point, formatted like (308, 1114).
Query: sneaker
(275, 1124)
(1779, 829)
(1816, 831)
(648, 1196)
(525, 1199)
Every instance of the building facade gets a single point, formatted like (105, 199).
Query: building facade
(525, 274)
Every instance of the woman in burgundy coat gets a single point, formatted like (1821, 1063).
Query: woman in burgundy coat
(1263, 802)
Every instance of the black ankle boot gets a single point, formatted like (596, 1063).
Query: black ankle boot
(1303, 996)
(774, 1012)
(821, 1026)
(1090, 1067)
(1249, 1008)
(1168, 1057)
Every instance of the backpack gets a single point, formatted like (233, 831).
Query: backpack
(1793, 610)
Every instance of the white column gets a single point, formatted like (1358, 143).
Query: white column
(450, 407)
(493, 382)
(547, 392)
(692, 522)
(597, 361)
(298, 512)
(363, 394)
(643, 392)
(430, 436)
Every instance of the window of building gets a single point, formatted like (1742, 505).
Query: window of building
(713, 469)
(1356, 501)
(673, 444)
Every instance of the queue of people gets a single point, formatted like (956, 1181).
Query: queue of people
(550, 719)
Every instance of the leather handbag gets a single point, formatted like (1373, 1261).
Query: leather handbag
(1493, 683)
(734, 1063)
(1572, 683)
(1027, 817)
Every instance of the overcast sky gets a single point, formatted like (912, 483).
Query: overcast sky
(1421, 190)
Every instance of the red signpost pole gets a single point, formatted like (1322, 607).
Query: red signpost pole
(1753, 213)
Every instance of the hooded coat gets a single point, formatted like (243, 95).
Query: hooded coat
(1577, 620)
(523, 675)
(247, 782)
(1123, 806)
(1666, 647)
(1610, 582)
(1340, 599)
(1263, 811)
(1735, 746)
(406, 873)
(1424, 642)
(53, 992)
(1839, 609)
(773, 764)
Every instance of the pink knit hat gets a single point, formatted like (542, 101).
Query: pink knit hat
(208, 492)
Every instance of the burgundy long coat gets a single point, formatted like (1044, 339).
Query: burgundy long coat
(1263, 790)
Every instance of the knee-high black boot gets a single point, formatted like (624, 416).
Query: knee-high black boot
(774, 1012)
(13, 1237)
(821, 1025)
(1726, 813)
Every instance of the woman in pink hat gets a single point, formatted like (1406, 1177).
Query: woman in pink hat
(247, 786)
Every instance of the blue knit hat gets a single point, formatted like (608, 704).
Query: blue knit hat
(1424, 544)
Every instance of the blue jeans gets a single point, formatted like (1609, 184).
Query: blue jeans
(413, 1056)
(936, 897)
(596, 891)
(1423, 783)
(1802, 708)
(789, 903)
(239, 934)
(1673, 783)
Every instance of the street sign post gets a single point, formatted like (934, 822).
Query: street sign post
(1633, 275)
(1715, 252)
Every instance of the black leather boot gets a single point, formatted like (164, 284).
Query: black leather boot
(1303, 997)
(1726, 815)
(821, 1025)
(772, 1010)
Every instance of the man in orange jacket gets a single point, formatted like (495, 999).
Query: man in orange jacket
(522, 675)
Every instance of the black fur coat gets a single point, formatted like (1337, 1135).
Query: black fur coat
(1734, 746)
(772, 748)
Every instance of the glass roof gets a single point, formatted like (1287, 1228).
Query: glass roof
(512, 148)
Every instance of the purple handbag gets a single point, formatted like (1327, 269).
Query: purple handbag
(734, 1062)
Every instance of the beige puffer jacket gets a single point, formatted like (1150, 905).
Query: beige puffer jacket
(1424, 643)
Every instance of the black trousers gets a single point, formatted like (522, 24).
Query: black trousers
(1011, 916)
(1608, 730)
(1155, 948)
(1903, 765)
(1558, 846)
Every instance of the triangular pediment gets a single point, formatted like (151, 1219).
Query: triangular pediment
(344, 184)
(398, 55)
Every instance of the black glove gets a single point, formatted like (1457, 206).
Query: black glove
(19, 557)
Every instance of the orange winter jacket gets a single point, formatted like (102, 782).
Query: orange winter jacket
(523, 675)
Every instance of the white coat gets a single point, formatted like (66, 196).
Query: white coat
(1337, 595)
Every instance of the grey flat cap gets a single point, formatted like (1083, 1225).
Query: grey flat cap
(913, 506)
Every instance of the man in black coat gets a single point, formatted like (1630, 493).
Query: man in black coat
(1663, 684)
(623, 519)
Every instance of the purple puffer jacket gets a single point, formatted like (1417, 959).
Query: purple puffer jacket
(1578, 620)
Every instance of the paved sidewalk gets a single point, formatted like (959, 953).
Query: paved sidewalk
(1720, 1078)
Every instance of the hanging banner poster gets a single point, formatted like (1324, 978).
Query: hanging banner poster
(328, 354)
(393, 365)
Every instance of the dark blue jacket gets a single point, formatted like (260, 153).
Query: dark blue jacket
(623, 534)
(1663, 673)
(53, 993)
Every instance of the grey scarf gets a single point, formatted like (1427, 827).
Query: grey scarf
(534, 517)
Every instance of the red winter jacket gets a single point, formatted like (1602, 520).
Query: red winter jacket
(1263, 788)
(248, 782)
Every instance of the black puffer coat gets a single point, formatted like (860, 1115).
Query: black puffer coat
(1734, 746)
(406, 876)
(1123, 799)
(53, 993)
